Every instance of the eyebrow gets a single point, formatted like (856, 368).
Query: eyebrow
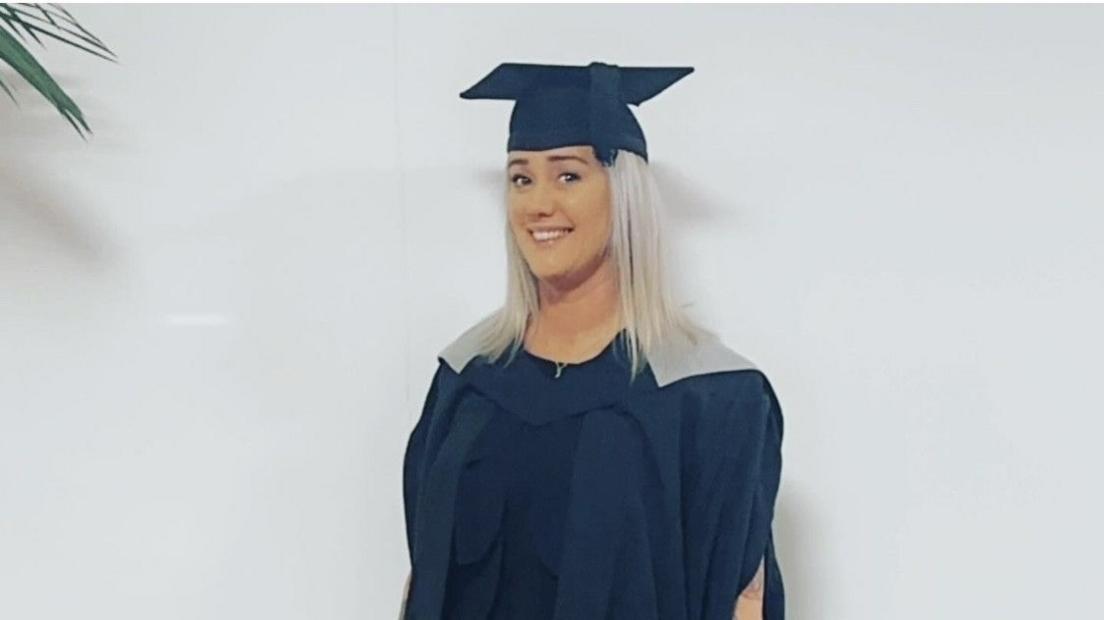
(522, 160)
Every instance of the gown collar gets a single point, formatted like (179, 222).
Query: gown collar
(600, 381)
(529, 387)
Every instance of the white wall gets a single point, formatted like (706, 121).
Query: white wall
(219, 315)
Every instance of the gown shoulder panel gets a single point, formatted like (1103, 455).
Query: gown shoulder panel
(678, 357)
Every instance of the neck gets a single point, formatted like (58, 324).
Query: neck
(577, 316)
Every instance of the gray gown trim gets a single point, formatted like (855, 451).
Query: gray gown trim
(674, 360)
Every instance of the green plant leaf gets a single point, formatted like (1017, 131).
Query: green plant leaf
(14, 54)
(55, 22)
(8, 90)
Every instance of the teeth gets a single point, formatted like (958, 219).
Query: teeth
(545, 235)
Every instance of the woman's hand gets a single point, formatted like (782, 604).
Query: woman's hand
(749, 605)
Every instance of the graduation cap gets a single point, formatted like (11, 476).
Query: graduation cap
(561, 105)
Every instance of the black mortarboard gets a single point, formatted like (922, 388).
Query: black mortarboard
(561, 105)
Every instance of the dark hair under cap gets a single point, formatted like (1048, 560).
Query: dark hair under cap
(561, 105)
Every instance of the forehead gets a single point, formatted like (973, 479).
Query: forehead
(582, 151)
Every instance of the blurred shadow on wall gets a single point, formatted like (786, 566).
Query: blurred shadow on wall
(43, 225)
(687, 206)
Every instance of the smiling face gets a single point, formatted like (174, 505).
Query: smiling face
(559, 210)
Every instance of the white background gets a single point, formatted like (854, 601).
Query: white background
(219, 316)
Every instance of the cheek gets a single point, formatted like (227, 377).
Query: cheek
(518, 226)
(595, 216)
(513, 216)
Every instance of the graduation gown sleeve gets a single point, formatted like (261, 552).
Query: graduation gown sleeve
(414, 459)
(733, 484)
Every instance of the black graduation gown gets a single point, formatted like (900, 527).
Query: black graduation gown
(586, 497)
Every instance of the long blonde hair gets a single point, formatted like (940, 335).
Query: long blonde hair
(648, 312)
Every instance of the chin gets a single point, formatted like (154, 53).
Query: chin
(545, 272)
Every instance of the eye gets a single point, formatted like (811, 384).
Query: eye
(513, 179)
(571, 174)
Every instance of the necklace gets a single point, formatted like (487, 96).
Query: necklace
(559, 368)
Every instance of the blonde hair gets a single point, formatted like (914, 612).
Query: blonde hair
(648, 311)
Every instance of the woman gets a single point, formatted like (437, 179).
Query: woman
(587, 451)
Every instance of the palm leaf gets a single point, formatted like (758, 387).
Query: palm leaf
(8, 90)
(54, 22)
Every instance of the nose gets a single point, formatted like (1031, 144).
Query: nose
(541, 201)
